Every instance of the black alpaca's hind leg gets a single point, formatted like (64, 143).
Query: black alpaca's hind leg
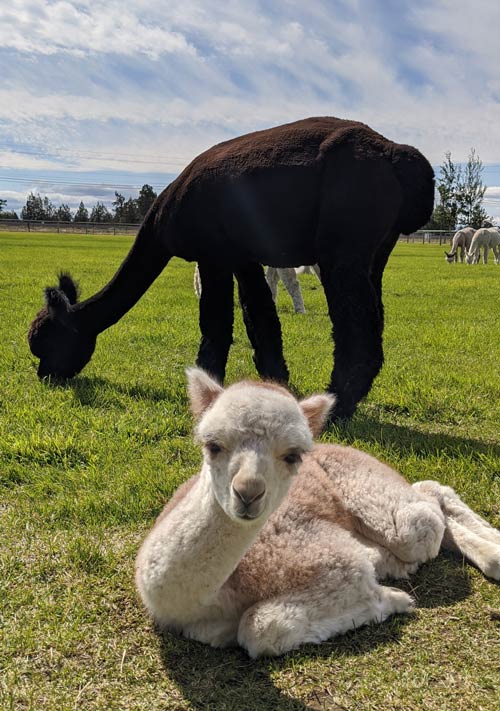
(262, 323)
(216, 319)
(357, 332)
(377, 269)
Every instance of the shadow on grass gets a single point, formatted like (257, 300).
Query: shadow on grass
(93, 391)
(407, 440)
(98, 392)
(227, 679)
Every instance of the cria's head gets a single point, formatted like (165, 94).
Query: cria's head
(253, 437)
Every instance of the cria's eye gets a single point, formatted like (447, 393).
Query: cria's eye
(213, 447)
(292, 458)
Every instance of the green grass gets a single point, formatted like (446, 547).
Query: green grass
(85, 467)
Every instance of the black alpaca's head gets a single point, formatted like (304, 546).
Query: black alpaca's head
(53, 336)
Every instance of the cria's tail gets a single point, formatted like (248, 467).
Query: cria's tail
(466, 532)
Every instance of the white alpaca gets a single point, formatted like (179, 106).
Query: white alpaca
(484, 238)
(289, 278)
(273, 275)
(461, 240)
(277, 542)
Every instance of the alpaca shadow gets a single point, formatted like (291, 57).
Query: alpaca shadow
(214, 679)
(408, 441)
(99, 392)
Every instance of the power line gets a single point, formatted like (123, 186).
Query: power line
(95, 155)
(48, 181)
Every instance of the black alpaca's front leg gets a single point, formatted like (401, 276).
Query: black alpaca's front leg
(262, 323)
(216, 319)
(353, 305)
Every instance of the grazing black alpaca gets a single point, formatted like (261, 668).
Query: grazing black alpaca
(321, 190)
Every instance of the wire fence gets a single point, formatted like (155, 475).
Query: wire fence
(112, 228)
(84, 228)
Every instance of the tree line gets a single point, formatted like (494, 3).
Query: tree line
(131, 210)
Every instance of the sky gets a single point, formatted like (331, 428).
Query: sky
(101, 95)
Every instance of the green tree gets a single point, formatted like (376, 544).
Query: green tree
(461, 193)
(146, 198)
(118, 204)
(445, 213)
(100, 213)
(7, 214)
(37, 208)
(63, 213)
(82, 214)
(470, 192)
(130, 212)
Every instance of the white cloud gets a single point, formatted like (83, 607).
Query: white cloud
(146, 86)
(51, 27)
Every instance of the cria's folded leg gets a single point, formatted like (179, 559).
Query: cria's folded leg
(384, 507)
(411, 529)
(419, 529)
(277, 626)
(466, 532)
(386, 564)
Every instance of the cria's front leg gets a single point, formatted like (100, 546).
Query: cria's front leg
(277, 626)
(220, 632)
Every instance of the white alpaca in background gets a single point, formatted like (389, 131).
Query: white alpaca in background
(289, 278)
(273, 274)
(484, 238)
(277, 542)
(290, 282)
(461, 241)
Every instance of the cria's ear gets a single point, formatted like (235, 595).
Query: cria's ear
(202, 389)
(57, 303)
(69, 286)
(316, 409)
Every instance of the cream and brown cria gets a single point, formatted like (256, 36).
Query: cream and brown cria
(278, 542)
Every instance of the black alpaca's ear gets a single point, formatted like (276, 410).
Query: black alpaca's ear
(57, 303)
(69, 287)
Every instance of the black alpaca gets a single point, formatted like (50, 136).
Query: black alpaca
(321, 190)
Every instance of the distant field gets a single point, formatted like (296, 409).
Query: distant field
(85, 467)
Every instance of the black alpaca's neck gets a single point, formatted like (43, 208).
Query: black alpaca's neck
(146, 259)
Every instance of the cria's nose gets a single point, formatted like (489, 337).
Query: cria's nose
(249, 490)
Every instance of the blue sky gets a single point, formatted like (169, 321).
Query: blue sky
(98, 95)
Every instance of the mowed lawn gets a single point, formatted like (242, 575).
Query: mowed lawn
(85, 467)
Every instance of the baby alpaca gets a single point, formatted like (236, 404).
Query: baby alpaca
(278, 542)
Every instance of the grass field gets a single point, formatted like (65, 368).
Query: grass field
(85, 467)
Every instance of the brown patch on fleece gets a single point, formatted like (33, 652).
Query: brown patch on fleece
(292, 548)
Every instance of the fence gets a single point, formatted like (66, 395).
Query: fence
(85, 228)
(92, 228)
(429, 237)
